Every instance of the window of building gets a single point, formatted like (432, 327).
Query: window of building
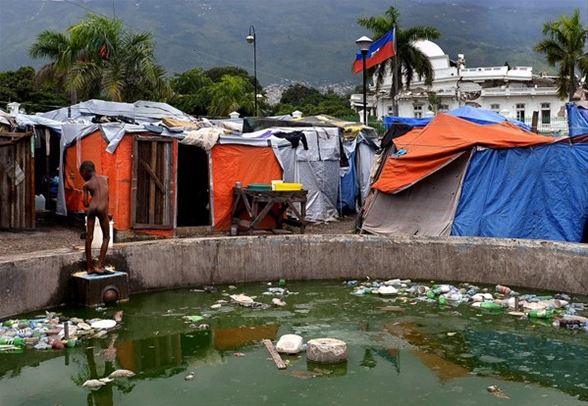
(521, 112)
(495, 107)
(418, 110)
(390, 109)
(444, 107)
(545, 113)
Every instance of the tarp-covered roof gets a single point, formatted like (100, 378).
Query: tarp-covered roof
(577, 119)
(473, 114)
(421, 152)
(142, 111)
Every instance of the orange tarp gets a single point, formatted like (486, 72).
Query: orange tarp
(117, 167)
(439, 143)
(246, 164)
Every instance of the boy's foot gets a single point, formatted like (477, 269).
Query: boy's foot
(99, 269)
(90, 270)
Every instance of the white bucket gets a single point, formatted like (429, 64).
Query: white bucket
(97, 240)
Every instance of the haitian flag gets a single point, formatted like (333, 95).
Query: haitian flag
(382, 49)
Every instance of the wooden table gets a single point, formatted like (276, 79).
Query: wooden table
(250, 202)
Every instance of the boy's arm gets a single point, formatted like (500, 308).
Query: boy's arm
(86, 202)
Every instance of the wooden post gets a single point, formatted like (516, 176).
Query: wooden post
(535, 122)
(274, 354)
(152, 183)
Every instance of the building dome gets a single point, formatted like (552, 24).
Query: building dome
(429, 48)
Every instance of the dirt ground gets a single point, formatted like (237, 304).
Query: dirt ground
(49, 236)
(45, 237)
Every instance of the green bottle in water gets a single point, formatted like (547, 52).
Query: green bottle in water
(490, 306)
(541, 314)
(16, 341)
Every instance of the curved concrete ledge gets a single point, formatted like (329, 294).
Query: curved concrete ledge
(40, 280)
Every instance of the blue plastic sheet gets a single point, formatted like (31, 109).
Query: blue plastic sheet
(473, 114)
(482, 116)
(577, 119)
(349, 191)
(414, 122)
(535, 193)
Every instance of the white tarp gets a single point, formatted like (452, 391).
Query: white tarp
(141, 111)
(316, 168)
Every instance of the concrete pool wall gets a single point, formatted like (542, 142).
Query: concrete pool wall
(41, 280)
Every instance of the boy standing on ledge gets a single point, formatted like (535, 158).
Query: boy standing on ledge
(96, 187)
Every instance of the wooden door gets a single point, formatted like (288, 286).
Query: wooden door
(17, 181)
(152, 184)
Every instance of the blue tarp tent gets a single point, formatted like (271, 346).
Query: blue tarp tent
(476, 115)
(577, 119)
(482, 116)
(349, 188)
(536, 193)
(414, 122)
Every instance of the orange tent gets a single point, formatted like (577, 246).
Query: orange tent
(118, 167)
(243, 163)
(442, 141)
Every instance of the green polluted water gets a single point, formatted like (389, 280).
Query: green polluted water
(399, 353)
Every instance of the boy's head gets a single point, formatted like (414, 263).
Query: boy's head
(87, 169)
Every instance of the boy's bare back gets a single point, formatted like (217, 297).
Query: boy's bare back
(97, 186)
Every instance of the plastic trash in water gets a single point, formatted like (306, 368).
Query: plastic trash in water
(541, 314)
(290, 344)
(387, 290)
(488, 305)
(504, 290)
(194, 318)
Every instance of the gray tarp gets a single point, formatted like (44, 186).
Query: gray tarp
(427, 208)
(142, 111)
(316, 168)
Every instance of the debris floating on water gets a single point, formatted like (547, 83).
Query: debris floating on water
(558, 308)
(496, 391)
(122, 373)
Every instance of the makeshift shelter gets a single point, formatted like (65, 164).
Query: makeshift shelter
(473, 114)
(140, 172)
(358, 145)
(497, 180)
(577, 118)
(17, 180)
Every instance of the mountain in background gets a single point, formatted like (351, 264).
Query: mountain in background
(303, 40)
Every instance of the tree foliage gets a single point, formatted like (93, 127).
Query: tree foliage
(98, 57)
(231, 93)
(216, 74)
(410, 61)
(311, 102)
(20, 86)
(564, 46)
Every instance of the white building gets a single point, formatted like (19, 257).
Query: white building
(511, 91)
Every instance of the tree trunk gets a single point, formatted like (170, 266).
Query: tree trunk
(572, 84)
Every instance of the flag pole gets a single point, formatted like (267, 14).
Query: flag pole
(395, 77)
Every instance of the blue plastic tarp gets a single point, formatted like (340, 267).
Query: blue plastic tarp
(349, 188)
(482, 116)
(535, 193)
(577, 119)
(414, 122)
(473, 114)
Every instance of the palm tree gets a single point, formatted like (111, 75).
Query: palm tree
(564, 45)
(62, 52)
(409, 59)
(98, 57)
(231, 93)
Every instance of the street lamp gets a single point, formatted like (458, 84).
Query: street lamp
(364, 45)
(252, 39)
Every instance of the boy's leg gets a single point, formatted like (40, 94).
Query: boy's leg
(105, 226)
(89, 237)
